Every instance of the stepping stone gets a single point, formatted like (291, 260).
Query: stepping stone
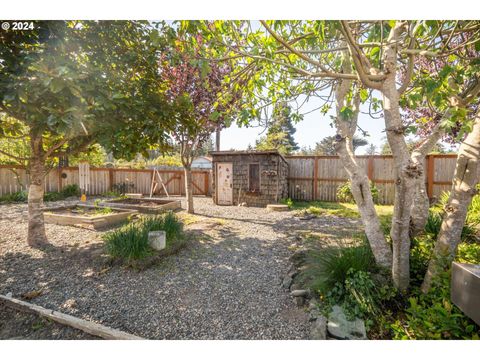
(277, 207)
(340, 328)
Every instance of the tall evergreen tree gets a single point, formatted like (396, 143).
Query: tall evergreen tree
(327, 145)
(280, 132)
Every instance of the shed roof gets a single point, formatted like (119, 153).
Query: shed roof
(248, 152)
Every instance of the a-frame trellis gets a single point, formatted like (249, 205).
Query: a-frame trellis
(155, 182)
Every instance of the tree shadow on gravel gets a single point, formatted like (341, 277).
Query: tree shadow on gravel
(216, 276)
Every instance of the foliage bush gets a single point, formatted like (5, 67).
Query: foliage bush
(288, 202)
(469, 231)
(168, 222)
(130, 242)
(472, 222)
(434, 316)
(342, 276)
(328, 267)
(70, 190)
(363, 295)
(22, 195)
(19, 196)
(344, 193)
(123, 187)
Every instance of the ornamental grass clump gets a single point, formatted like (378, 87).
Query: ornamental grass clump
(130, 242)
(327, 267)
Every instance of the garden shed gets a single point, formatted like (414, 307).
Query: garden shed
(256, 178)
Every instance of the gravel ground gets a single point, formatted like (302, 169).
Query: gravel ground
(17, 325)
(224, 285)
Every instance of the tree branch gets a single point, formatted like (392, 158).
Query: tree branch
(18, 158)
(292, 49)
(358, 57)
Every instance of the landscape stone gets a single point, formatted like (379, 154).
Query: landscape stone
(340, 327)
(299, 300)
(302, 293)
(295, 287)
(318, 330)
(287, 282)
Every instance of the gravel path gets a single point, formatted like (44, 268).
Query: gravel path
(224, 285)
(18, 325)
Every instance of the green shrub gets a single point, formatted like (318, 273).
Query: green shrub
(421, 249)
(433, 224)
(288, 202)
(19, 196)
(168, 222)
(327, 267)
(123, 187)
(468, 253)
(362, 296)
(469, 230)
(344, 193)
(130, 242)
(434, 316)
(70, 190)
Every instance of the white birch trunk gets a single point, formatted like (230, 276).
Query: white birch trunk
(465, 179)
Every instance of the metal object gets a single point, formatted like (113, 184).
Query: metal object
(465, 290)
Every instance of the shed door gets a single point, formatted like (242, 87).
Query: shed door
(224, 184)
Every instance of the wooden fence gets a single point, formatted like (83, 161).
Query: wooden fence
(310, 177)
(318, 177)
(102, 180)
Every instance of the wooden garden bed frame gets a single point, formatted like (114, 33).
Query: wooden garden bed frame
(162, 205)
(98, 222)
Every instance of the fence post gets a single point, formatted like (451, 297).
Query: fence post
(59, 171)
(371, 168)
(110, 179)
(430, 175)
(315, 178)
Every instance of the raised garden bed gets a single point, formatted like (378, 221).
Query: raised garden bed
(145, 205)
(97, 217)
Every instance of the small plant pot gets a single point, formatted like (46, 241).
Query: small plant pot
(157, 240)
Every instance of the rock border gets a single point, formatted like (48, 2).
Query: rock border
(336, 326)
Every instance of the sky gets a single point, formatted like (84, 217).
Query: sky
(313, 128)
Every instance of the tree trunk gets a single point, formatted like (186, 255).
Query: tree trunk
(363, 198)
(421, 202)
(217, 139)
(36, 227)
(463, 189)
(189, 189)
(346, 127)
(420, 208)
(405, 173)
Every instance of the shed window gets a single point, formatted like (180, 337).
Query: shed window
(254, 177)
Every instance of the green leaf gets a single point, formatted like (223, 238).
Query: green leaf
(57, 85)
(363, 95)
